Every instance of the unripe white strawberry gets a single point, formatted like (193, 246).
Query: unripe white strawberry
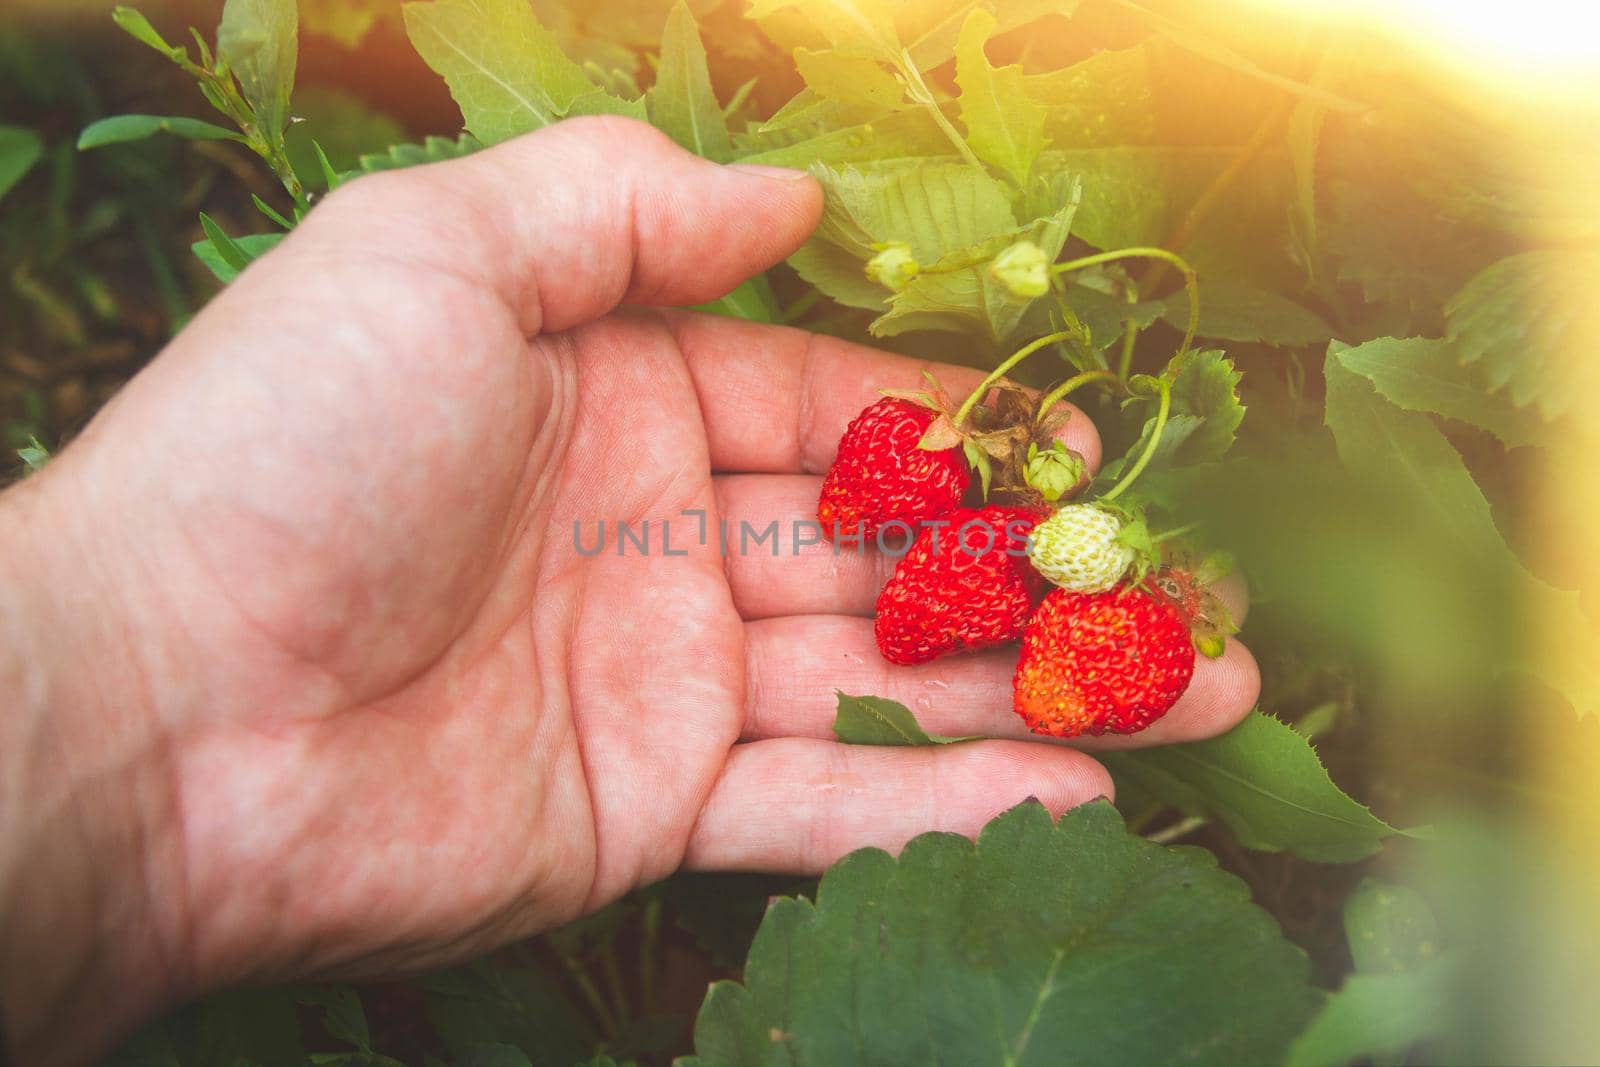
(1077, 548)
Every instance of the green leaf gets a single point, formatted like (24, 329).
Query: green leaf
(432, 150)
(962, 290)
(254, 1026)
(1264, 782)
(954, 218)
(1378, 1015)
(1237, 311)
(932, 28)
(221, 258)
(1404, 455)
(20, 149)
(505, 70)
(1180, 427)
(682, 102)
(346, 21)
(1004, 126)
(122, 129)
(1316, 722)
(258, 40)
(860, 27)
(906, 136)
(849, 79)
(1519, 320)
(1140, 195)
(344, 126)
(1422, 374)
(1040, 945)
(875, 721)
(933, 210)
(1390, 242)
(270, 213)
(34, 454)
(740, 99)
(1129, 192)
(1304, 142)
(1305, 137)
(1208, 388)
(722, 911)
(135, 25)
(753, 301)
(1392, 447)
(1205, 416)
(1105, 315)
(808, 111)
(232, 255)
(343, 1017)
(330, 177)
(495, 1056)
(488, 1003)
(1104, 100)
(1390, 927)
(1192, 40)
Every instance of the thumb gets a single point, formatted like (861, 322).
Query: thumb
(569, 222)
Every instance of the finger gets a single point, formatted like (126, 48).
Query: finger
(778, 562)
(1234, 592)
(777, 400)
(798, 805)
(569, 222)
(796, 666)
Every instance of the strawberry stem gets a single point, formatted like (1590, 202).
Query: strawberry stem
(1130, 336)
(1071, 385)
(1190, 282)
(1150, 449)
(917, 89)
(1000, 372)
(1177, 532)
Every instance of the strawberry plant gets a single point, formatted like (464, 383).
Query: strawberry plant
(1321, 298)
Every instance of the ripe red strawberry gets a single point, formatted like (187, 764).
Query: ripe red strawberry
(1094, 663)
(881, 475)
(961, 589)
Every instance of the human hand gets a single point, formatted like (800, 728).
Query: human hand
(320, 684)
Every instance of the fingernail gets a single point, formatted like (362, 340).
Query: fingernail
(761, 170)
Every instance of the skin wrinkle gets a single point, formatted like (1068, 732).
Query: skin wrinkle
(176, 946)
(805, 414)
(516, 520)
(564, 407)
(416, 258)
(630, 286)
(836, 772)
(340, 691)
(670, 488)
(57, 804)
(933, 815)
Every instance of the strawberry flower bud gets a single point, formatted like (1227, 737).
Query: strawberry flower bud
(1023, 269)
(1055, 472)
(894, 267)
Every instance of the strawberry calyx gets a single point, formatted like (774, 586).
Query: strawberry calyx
(1187, 583)
(999, 435)
(1054, 470)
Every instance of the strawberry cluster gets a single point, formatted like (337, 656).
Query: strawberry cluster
(1108, 633)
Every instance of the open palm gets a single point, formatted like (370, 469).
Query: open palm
(405, 718)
